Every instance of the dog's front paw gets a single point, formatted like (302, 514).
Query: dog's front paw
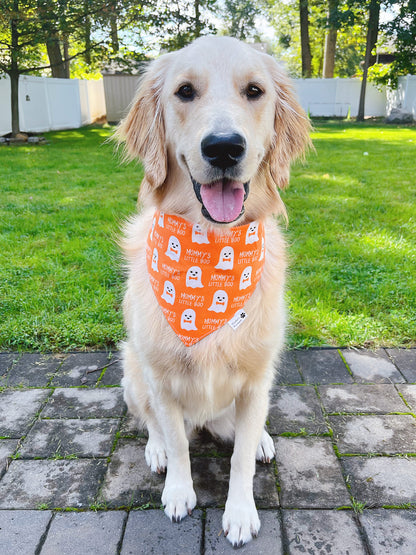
(265, 450)
(240, 522)
(155, 454)
(178, 500)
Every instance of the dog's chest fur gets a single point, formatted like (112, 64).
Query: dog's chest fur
(207, 376)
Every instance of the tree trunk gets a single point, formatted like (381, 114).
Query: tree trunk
(372, 33)
(330, 39)
(304, 39)
(66, 57)
(114, 33)
(55, 57)
(329, 56)
(87, 40)
(14, 72)
(198, 25)
(14, 89)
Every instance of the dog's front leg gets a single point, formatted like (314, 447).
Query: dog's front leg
(240, 520)
(178, 495)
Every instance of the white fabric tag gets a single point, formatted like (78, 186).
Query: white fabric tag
(237, 319)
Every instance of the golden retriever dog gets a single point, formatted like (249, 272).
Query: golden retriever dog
(216, 125)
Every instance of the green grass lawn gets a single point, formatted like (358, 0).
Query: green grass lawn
(351, 235)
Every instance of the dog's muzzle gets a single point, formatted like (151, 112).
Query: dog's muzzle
(223, 198)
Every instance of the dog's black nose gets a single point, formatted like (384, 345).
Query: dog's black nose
(223, 150)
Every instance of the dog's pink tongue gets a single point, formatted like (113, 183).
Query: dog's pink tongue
(223, 199)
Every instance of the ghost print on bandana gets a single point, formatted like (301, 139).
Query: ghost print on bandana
(202, 278)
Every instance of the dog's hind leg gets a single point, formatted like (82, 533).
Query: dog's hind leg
(224, 427)
(265, 450)
(136, 396)
(155, 451)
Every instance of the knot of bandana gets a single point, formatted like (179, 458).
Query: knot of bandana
(202, 279)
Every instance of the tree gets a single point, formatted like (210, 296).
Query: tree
(179, 22)
(285, 18)
(372, 34)
(27, 25)
(304, 39)
(401, 32)
(18, 42)
(331, 38)
(348, 50)
(240, 18)
(51, 17)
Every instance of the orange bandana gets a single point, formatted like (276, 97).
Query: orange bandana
(203, 279)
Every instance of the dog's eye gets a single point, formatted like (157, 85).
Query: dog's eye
(186, 92)
(253, 91)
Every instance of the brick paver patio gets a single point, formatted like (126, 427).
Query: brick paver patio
(73, 477)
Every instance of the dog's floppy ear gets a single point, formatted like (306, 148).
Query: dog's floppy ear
(143, 130)
(291, 128)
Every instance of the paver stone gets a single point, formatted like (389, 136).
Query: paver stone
(53, 484)
(375, 398)
(369, 366)
(382, 481)
(320, 531)
(309, 473)
(320, 366)
(17, 410)
(21, 531)
(293, 409)
(269, 540)
(152, 532)
(85, 532)
(390, 531)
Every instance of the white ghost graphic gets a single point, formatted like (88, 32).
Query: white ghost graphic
(193, 277)
(174, 248)
(219, 301)
(161, 221)
(155, 259)
(262, 249)
(153, 228)
(226, 261)
(199, 235)
(188, 319)
(245, 279)
(252, 234)
(168, 292)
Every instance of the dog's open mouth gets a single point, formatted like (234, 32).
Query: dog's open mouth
(223, 200)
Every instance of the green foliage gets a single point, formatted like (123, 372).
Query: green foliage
(22, 15)
(240, 18)
(402, 31)
(350, 36)
(174, 24)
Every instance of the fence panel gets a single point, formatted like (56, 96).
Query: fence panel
(5, 109)
(119, 92)
(339, 97)
(46, 103)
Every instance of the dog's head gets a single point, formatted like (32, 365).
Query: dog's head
(216, 125)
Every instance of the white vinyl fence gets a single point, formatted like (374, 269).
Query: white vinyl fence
(318, 97)
(339, 97)
(404, 97)
(119, 91)
(47, 103)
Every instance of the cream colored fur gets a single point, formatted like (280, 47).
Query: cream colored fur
(223, 381)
